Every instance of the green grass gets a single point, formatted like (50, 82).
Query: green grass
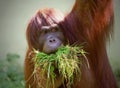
(67, 60)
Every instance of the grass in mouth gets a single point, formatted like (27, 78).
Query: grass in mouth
(66, 60)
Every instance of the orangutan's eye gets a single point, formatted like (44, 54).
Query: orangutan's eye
(54, 29)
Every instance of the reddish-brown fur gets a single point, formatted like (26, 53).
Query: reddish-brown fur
(89, 22)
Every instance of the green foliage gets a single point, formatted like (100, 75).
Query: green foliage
(11, 73)
(117, 75)
(66, 60)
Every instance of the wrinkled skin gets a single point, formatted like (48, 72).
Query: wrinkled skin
(51, 38)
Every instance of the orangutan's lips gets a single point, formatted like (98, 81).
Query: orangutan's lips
(55, 49)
